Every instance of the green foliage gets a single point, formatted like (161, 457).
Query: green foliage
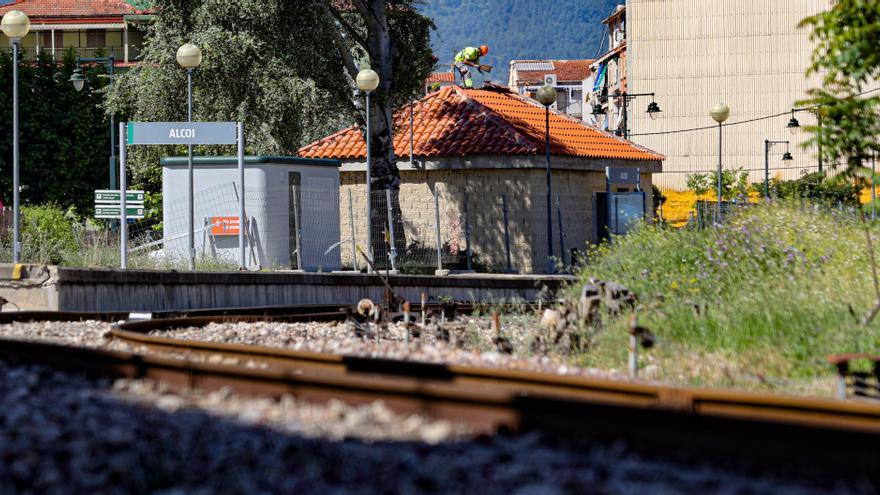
(271, 64)
(734, 183)
(520, 29)
(846, 57)
(64, 137)
(47, 233)
(768, 293)
(817, 188)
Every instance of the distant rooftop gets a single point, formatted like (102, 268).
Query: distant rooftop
(532, 72)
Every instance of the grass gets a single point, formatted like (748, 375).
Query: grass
(757, 303)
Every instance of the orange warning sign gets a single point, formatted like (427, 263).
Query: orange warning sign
(224, 226)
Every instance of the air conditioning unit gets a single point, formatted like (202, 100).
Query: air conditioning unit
(550, 79)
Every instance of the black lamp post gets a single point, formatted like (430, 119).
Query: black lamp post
(652, 111)
(547, 96)
(78, 79)
(793, 126)
(786, 157)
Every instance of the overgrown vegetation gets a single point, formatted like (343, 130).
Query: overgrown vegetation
(758, 302)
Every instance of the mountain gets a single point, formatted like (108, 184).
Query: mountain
(518, 29)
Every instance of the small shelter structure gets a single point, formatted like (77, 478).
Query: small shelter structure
(482, 152)
(291, 206)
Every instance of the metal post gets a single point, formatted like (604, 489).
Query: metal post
(437, 226)
(369, 192)
(719, 169)
(123, 220)
(242, 260)
(16, 220)
(766, 169)
(633, 355)
(351, 229)
(111, 68)
(467, 233)
(550, 266)
(873, 187)
(506, 233)
(819, 141)
(411, 119)
(561, 234)
(392, 249)
(190, 193)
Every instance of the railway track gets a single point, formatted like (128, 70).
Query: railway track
(828, 436)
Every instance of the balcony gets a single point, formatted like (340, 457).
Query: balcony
(117, 52)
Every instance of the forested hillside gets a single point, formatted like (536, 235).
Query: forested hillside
(518, 29)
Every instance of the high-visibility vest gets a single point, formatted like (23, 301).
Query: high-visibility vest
(470, 54)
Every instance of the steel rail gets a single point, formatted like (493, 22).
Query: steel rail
(819, 449)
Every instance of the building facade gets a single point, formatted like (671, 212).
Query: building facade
(479, 166)
(567, 76)
(750, 55)
(607, 80)
(90, 27)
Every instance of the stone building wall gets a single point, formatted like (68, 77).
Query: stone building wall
(525, 190)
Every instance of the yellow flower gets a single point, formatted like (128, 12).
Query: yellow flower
(673, 285)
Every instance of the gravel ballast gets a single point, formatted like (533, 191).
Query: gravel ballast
(68, 434)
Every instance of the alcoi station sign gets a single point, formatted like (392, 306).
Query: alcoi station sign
(182, 133)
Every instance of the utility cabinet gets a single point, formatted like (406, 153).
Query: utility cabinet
(291, 211)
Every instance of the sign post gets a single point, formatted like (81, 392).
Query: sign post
(179, 133)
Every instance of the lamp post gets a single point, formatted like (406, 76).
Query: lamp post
(786, 157)
(720, 112)
(367, 81)
(78, 80)
(793, 126)
(15, 25)
(189, 56)
(652, 111)
(547, 96)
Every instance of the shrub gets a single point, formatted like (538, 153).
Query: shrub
(818, 188)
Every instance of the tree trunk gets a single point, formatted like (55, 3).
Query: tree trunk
(383, 166)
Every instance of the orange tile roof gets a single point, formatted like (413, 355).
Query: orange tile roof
(493, 121)
(59, 11)
(441, 77)
(565, 70)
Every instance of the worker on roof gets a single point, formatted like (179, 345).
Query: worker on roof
(469, 56)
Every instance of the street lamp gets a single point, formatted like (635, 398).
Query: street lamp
(793, 126)
(367, 81)
(652, 110)
(15, 25)
(78, 79)
(547, 96)
(786, 157)
(189, 56)
(720, 112)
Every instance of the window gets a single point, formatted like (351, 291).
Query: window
(96, 38)
(46, 40)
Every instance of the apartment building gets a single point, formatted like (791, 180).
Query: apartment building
(748, 54)
(567, 76)
(90, 27)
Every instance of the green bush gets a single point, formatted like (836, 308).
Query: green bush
(818, 188)
(47, 233)
(770, 293)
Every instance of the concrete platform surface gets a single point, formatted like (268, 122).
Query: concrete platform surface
(51, 288)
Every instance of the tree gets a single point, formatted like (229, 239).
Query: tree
(284, 67)
(846, 36)
(64, 137)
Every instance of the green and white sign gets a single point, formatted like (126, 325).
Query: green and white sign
(182, 133)
(112, 196)
(114, 212)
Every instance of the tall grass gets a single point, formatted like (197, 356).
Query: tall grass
(761, 299)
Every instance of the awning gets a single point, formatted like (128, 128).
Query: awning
(75, 27)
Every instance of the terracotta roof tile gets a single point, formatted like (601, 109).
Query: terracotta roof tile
(495, 121)
(441, 77)
(50, 11)
(565, 70)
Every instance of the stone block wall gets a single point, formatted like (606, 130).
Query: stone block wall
(525, 190)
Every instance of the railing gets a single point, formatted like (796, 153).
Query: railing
(117, 52)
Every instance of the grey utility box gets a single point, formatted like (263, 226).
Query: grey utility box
(291, 204)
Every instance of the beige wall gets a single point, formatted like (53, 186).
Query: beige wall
(748, 54)
(526, 196)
